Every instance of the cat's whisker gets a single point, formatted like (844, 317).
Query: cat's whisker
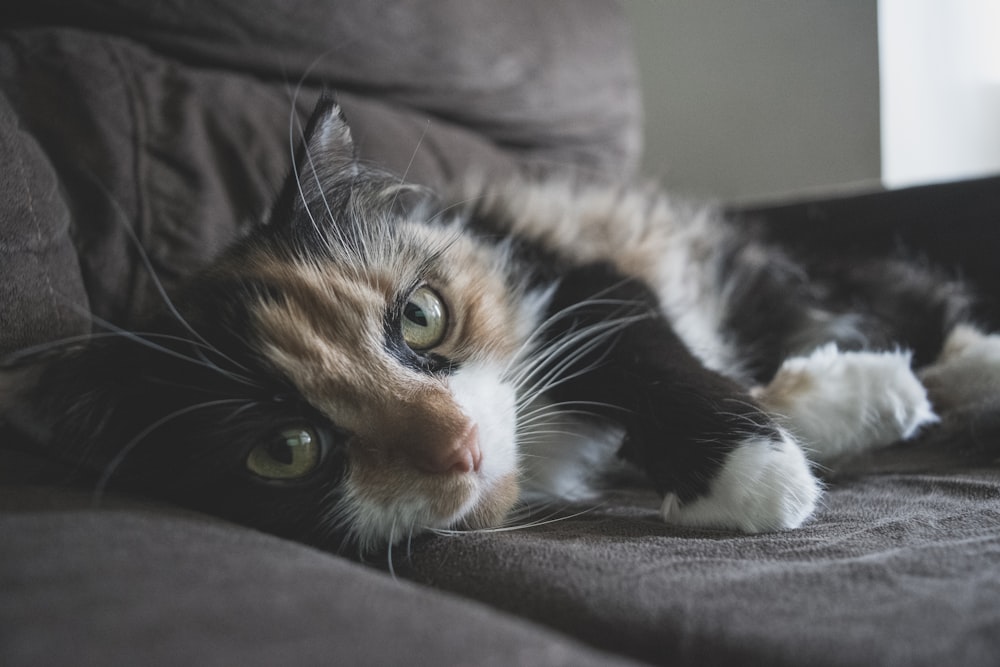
(293, 93)
(251, 404)
(736, 416)
(187, 387)
(553, 431)
(550, 361)
(550, 519)
(151, 272)
(413, 156)
(33, 351)
(109, 470)
(441, 212)
(392, 541)
(567, 341)
(580, 342)
(409, 542)
(549, 419)
(292, 123)
(556, 375)
(557, 408)
(115, 330)
(542, 423)
(226, 373)
(529, 455)
(556, 317)
(140, 340)
(595, 299)
(753, 408)
(332, 525)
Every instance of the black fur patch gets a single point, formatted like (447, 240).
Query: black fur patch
(681, 419)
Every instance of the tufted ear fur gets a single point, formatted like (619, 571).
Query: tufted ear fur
(323, 170)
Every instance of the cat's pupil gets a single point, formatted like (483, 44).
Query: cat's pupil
(281, 451)
(415, 314)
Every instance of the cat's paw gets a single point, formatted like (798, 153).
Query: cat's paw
(840, 403)
(967, 371)
(764, 485)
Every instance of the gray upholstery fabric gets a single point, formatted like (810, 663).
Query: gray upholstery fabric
(136, 584)
(171, 119)
(40, 268)
(896, 569)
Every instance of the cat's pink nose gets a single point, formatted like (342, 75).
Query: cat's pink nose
(464, 456)
(468, 456)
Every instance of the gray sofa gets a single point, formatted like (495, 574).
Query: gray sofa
(171, 118)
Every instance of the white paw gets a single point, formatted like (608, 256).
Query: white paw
(764, 485)
(841, 403)
(967, 371)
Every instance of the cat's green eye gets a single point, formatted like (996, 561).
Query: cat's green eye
(424, 320)
(291, 454)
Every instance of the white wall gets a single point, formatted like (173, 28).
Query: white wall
(758, 99)
(940, 63)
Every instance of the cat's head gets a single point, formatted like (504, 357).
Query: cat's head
(340, 375)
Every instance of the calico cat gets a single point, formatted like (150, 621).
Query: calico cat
(375, 361)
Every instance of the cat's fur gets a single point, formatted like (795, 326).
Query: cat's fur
(580, 322)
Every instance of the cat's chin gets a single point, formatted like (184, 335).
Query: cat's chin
(385, 506)
(493, 506)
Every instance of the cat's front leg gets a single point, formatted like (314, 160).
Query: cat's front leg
(718, 459)
(764, 484)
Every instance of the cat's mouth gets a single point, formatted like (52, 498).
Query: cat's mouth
(387, 504)
(494, 505)
(473, 501)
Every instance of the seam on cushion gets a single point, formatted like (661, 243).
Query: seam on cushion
(44, 270)
(140, 229)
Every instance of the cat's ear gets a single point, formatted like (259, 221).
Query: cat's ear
(327, 139)
(323, 169)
